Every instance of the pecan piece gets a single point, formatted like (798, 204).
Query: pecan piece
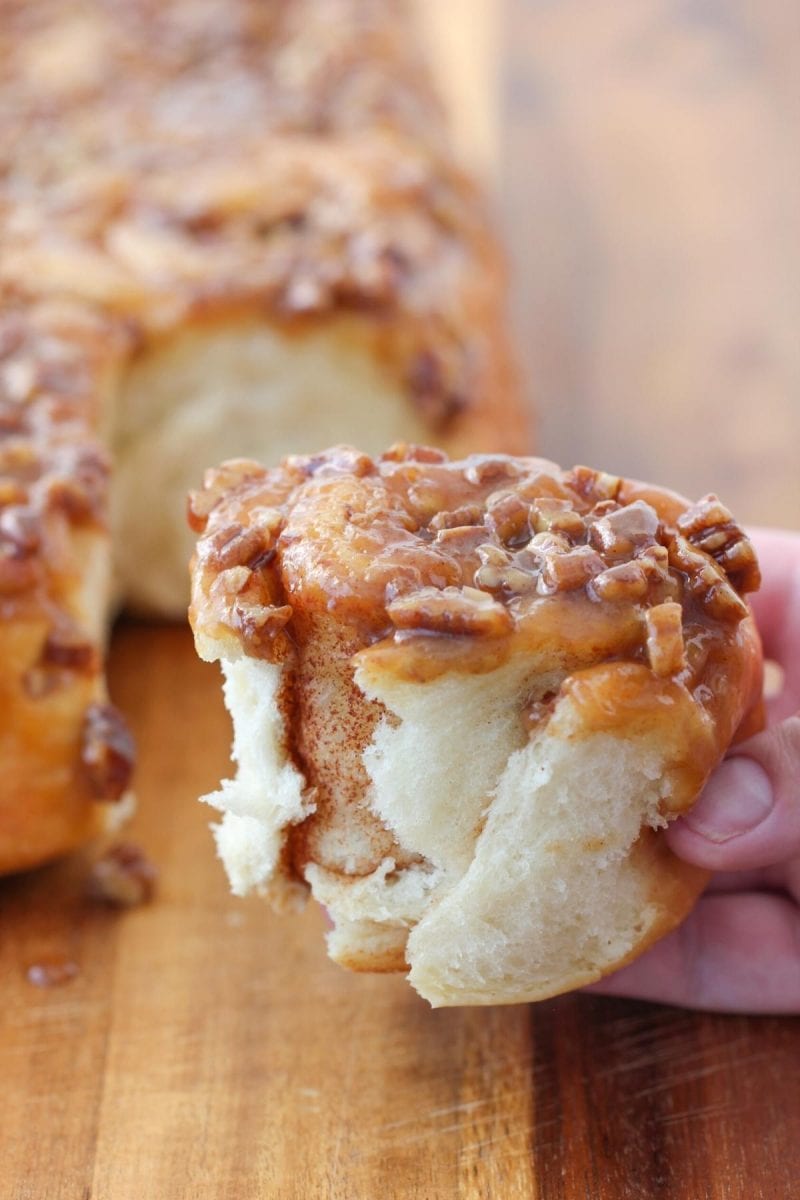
(551, 515)
(217, 481)
(593, 486)
(500, 572)
(235, 546)
(470, 514)
(621, 533)
(259, 624)
(665, 649)
(710, 526)
(508, 518)
(626, 583)
(706, 581)
(71, 651)
(451, 610)
(484, 468)
(570, 570)
(107, 751)
(123, 877)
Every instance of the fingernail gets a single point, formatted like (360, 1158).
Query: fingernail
(737, 798)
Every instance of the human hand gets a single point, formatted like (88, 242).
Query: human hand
(739, 950)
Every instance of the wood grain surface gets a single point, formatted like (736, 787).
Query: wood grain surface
(208, 1049)
(649, 191)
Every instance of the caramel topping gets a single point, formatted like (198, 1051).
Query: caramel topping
(460, 564)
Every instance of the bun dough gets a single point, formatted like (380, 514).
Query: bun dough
(224, 229)
(466, 696)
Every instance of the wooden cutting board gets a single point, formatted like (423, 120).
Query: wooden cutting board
(208, 1049)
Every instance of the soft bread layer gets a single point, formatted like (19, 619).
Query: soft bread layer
(538, 868)
(242, 388)
(268, 792)
(549, 898)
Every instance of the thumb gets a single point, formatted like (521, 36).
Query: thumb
(748, 815)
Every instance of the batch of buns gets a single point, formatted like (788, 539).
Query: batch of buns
(467, 691)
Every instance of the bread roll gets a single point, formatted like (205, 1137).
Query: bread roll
(466, 696)
(225, 228)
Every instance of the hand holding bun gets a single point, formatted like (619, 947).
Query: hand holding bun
(466, 696)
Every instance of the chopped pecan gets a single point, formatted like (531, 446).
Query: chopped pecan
(259, 624)
(508, 518)
(500, 572)
(235, 546)
(710, 527)
(470, 514)
(665, 649)
(706, 581)
(107, 751)
(450, 610)
(548, 543)
(425, 500)
(485, 468)
(619, 534)
(461, 540)
(79, 482)
(123, 877)
(570, 570)
(593, 486)
(70, 650)
(216, 483)
(625, 583)
(552, 515)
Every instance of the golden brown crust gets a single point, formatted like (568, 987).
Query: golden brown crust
(171, 163)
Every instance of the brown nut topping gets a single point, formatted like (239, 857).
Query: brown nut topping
(470, 514)
(665, 649)
(621, 533)
(549, 514)
(592, 485)
(486, 469)
(71, 651)
(710, 527)
(107, 751)
(706, 581)
(566, 572)
(451, 610)
(235, 546)
(508, 518)
(123, 877)
(217, 481)
(499, 571)
(626, 583)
